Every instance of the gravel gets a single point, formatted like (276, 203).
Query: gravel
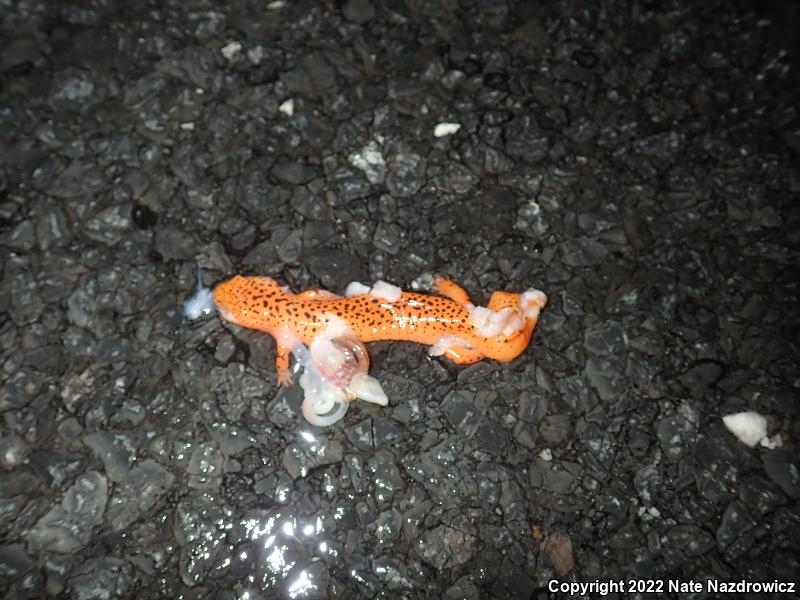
(639, 163)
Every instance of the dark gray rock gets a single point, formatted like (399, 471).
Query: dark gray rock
(111, 350)
(556, 478)
(261, 255)
(20, 389)
(205, 467)
(358, 11)
(606, 339)
(173, 244)
(116, 450)
(293, 173)
(13, 451)
(760, 495)
(690, 540)
(386, 474)
(491, 438)
(676, 433)
(334, 268)
(138, 92)
(700, 378)
(461, 412)
(583, 252)
(109, 225)
(68, 527)
(102, 578)
(517, 582)
(783, 470)
(354, 466)
(141, 489)
(607, 376)
(371, 162)
(405, 173)
(21, 237)
(735, 521)
(316, 233)
(555, 429)
(198, 517)
(387, 237)
(300, 458)
(444, 547)
(14, 561)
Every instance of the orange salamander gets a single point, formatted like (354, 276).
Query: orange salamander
(449, 322)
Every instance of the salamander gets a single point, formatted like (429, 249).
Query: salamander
(447, 322)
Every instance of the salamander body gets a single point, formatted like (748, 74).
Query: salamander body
(448, 322)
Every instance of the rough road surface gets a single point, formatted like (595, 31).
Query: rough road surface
(638, 161)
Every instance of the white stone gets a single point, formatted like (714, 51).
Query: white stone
(230, 50)
(445, 129)
(749, 426)
(287, 107)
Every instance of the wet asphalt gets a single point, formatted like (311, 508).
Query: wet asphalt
(637, 161)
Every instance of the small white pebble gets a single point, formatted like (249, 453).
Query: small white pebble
(276, 5)
(187, 126)
(749, 426)
(771, 443)
(230, 50)
(546, 455)
(256, 55)
(423, 282)
(287, 107)
(444, 129)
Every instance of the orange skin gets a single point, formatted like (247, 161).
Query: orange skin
(260, 303)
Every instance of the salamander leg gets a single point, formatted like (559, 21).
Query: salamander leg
(450, 289)
(282, 365)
